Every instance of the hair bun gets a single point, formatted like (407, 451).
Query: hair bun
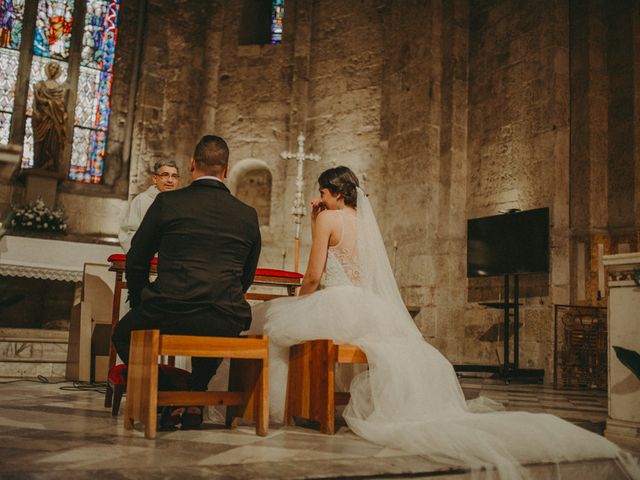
(343, 181)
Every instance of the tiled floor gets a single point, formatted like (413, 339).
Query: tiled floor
(587, 408)
(49, 433)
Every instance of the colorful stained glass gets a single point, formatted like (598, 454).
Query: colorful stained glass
(9, 61)
(277, 20)
(53, 28)
(80, 154)
(87, 155)
(93, 105)
(5, 124)
(100, 34)
(87, 97)
(11, 17)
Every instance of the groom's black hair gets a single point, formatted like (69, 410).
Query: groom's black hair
(341, 180)
(212, 154)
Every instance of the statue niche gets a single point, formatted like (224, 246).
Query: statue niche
(49, 119)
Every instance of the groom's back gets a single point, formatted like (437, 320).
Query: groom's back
(209, 243)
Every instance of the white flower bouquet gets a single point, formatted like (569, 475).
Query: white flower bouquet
(38, 217)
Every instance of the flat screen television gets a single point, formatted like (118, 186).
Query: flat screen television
(509, 243)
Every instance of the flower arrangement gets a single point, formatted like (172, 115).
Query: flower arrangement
(39, 218)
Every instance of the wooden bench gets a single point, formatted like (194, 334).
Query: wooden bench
(248, 395)
(117, 373)
(310, 386)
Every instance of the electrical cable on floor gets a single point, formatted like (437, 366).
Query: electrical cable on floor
(77, 386)
(99, 387)
(38, 379)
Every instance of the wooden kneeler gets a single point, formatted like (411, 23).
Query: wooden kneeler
(248, 395)
(310, 386)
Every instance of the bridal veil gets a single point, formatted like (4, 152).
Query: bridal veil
(410, 397)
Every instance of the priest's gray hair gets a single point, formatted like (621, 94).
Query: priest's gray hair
(164, 163)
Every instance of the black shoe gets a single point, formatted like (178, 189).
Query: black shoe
(192, 418)
(170, 418)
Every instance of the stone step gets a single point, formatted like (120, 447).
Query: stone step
(33, 352)
(32, 369)
(34, 335)
(23, 351)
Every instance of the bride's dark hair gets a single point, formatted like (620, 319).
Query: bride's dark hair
(341, 180)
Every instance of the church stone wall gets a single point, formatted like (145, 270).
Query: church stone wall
(345, 86)
(605, 145)
(324, 80)
(170, 87)
(345, 93)
(620, 66)
(424, 129)
(251, 110)
(518, 156)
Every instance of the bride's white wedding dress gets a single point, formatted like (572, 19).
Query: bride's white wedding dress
(410, 398)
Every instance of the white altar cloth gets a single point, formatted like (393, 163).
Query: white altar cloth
(50, 259)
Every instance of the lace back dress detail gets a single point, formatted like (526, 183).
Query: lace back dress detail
(343, 267)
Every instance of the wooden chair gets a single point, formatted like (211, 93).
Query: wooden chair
(310, 386)
(248, 395)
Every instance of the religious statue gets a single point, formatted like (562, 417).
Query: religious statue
(49, 119)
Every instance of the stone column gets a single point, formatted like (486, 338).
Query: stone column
(623, 422)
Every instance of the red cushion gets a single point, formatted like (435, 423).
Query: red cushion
(179, 377)
(265, 272)
(116, 374)
(121, 257)
(269, 272)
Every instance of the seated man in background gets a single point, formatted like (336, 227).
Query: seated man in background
(208, 244)
(165, 177)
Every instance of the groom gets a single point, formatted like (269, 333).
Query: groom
(208, 244)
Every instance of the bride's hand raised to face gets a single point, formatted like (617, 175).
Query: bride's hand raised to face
(316, 207)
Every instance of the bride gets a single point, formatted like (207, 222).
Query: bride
(409, 398)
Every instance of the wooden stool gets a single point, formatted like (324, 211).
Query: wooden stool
(310, 386)
(117, 380)
(248, 395)
(263, 277)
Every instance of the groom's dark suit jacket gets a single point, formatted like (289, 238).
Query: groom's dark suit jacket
(208, 244)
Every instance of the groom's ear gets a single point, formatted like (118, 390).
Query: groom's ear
(192, 165)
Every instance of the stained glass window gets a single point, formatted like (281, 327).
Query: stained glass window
(53, 28)
(11, 18)
(93, 106)
(9, 68)
(100, 34)
(277, 20)
(95, 78)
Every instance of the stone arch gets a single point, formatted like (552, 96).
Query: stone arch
(250, 180)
